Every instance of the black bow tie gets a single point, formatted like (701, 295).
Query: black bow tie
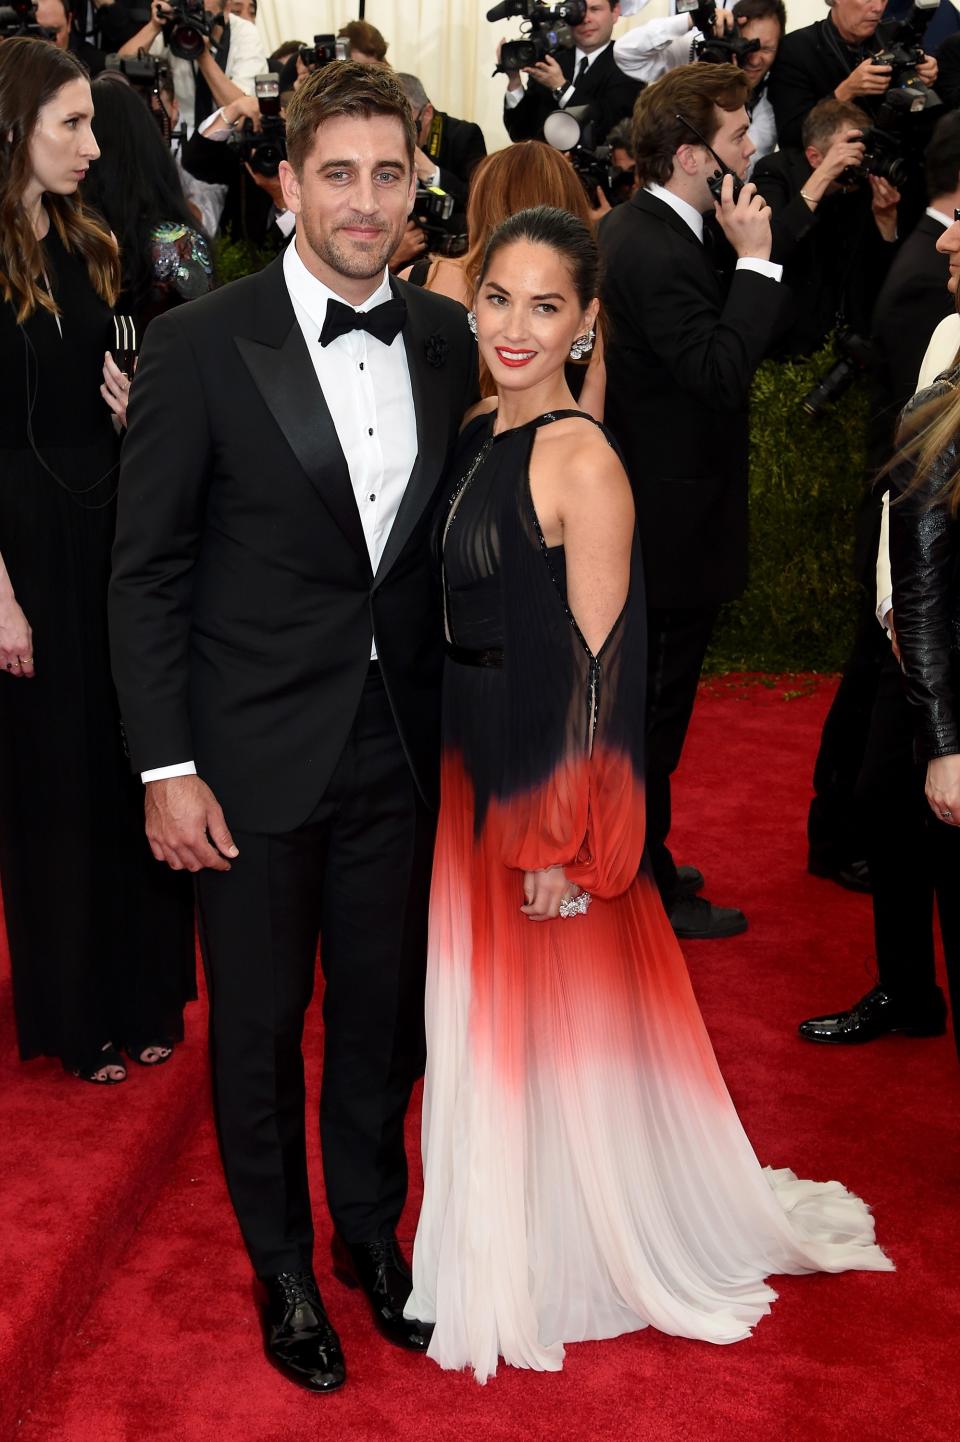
(384, 321)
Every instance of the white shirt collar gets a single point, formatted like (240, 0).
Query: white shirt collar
(940, 215)
(579, 55)
(312, 295)
(687, 213)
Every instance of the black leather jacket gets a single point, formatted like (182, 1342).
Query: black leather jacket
(925, 561)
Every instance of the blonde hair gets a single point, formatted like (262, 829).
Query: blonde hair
(924, 435)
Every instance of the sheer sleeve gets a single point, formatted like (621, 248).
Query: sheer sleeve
(571, 776)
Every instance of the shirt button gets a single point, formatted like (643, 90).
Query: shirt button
(373, 496)
(361, 365)
(370, 431)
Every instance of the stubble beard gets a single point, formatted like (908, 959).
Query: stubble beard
(358, 261)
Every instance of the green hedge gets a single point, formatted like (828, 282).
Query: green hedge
(806, 479)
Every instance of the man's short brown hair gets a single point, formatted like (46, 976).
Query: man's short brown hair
(344, 88)
(821, 124)
(364, 37)
(695, 92)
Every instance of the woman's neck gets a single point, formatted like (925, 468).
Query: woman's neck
(33, 206)
(516, 408)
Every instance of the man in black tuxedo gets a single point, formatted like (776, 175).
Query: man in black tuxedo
(587, 75)
(276, 631)
(834, 57)
(683, 348)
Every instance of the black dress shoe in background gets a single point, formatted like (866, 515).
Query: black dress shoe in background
(853, 875)
(379, 1270)
(689, 881)
(877, 1014)
(693, 918)
(297, 1335)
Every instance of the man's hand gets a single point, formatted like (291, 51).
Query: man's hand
(513, 76)
(16, 640)
(543, 892)
(891, 631)
(185, 825)
(425, 167)
(601, 207)
(547, 73)
(724, 24)
(884, 206)
(268, 183)
(867, 79)
(844, 151)
(943, 788)
(746, 224)
(412, 245)
(245, 107)
(928, 71)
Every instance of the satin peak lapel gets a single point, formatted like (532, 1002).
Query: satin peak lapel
(285, 378)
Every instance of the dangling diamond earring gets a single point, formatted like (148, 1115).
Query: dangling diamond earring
(472, 322)
(582, 344)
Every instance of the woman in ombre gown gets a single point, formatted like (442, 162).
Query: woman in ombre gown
(585, 1171)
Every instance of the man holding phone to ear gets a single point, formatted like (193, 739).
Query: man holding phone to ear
(684, 344)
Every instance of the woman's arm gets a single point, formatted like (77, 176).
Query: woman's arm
(594, 509)
(16, 637)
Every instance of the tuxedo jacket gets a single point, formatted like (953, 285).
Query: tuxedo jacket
(609, 93)
(911, 304)
(684, 344)
(810, 64)
(242, 602)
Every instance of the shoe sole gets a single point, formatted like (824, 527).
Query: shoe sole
(824, 874)
(914, 1031)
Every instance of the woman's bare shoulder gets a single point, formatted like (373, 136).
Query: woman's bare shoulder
(482, 408)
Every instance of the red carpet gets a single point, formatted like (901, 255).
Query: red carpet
(154, 1305)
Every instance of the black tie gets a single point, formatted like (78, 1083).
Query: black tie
(384, 321)
(584, 67)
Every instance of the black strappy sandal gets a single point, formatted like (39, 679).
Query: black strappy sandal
(108, 1055)
(135, 1051)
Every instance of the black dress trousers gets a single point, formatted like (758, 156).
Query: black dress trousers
(355, 877)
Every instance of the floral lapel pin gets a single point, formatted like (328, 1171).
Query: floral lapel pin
(435, 349)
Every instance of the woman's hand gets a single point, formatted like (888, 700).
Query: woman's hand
(16, 640)
(943, 788)
(544, 890)
(115, 389)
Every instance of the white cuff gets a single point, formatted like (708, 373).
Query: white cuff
(883, 610)
(769, 268)
(512, 98)
(285, 221)
(163, 773)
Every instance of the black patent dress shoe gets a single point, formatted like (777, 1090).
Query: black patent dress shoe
(379, 1270)
(877, 1014)
(689, 881)
(693, 918)
(853, 875)
(297, 1335)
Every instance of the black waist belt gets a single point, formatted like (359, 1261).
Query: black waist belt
(465, 657)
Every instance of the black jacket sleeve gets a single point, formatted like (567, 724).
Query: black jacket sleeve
(792, 219)
(459, 157)
(924, 552)
(804, 72)
(164, 473)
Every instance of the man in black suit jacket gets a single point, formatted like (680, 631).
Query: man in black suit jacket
(832, 57)
(448, 150)
(277, 485)
(587, 75)
(683, 348)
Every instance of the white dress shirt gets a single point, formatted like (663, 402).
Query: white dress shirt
(692, 217)
(366, 386)
(246, 59)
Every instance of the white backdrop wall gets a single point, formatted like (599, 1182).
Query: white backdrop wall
(449, 44)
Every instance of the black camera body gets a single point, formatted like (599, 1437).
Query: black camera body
(549, 29)
(713, 49)
(433, 210)
(891, 148)
(145, 74)
(856, 357)
(901, 44)
(324, 50)
(262, 149)
(187, 28)
(20, 18)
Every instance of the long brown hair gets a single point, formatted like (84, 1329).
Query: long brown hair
(31, 73)
(523, 176)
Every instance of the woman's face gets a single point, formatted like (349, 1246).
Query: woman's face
(528, 314)
(62, 144)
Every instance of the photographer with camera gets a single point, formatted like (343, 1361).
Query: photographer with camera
(584, 73)
(54, 16)
(849, 56)
(214, 57)
(683, 346)
(834, 221)
(749, 35)
(448, 150)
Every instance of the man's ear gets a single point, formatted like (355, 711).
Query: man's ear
(813, 156)
(290, 185)
(685, 158)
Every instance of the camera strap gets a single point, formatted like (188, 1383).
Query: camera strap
(204, 103)
(435, 138)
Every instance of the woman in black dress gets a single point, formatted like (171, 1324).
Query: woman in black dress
(100, 941)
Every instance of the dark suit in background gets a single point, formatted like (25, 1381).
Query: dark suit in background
(608, 92)
(243, 605)
(457, 146)
(810, 64)
(684, 344)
